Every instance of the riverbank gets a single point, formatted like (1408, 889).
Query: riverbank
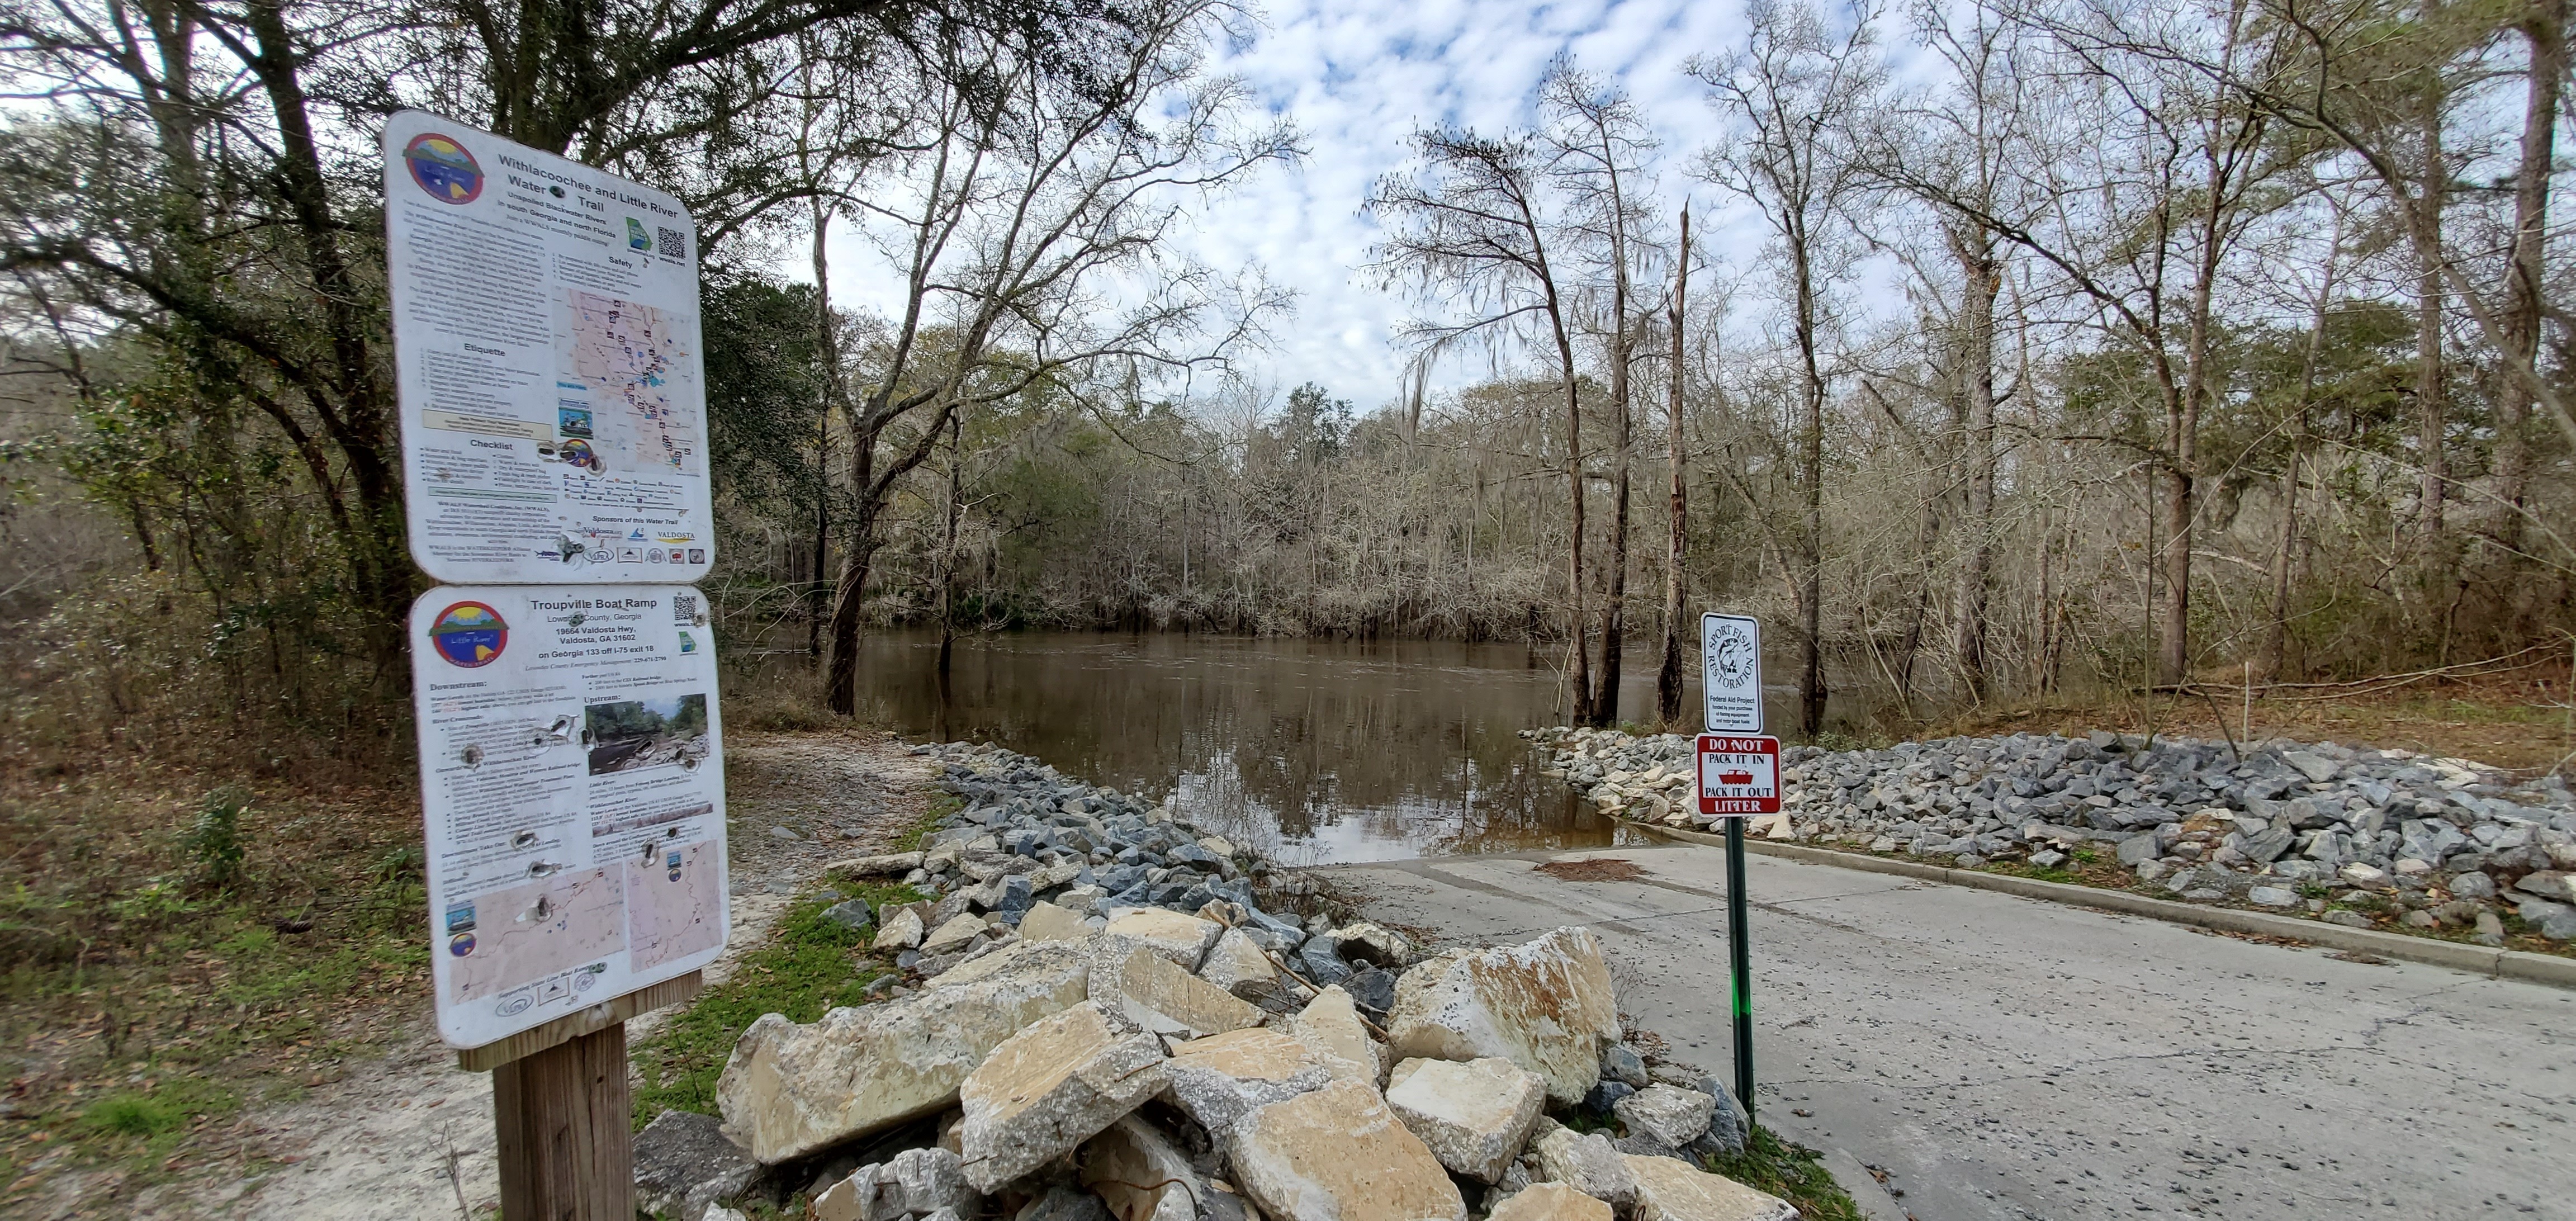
(1041, 891)
(2384, 839)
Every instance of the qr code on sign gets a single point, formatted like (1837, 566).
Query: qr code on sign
(684, 608)
(675, 244)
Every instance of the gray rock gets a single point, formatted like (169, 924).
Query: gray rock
(2559, 926)
(1662, 1120)
(2140, 848)
(1061, 1203)
(1373, 990)
(2272, 896)
(2472, 885)
(1605, 1096)
(2267, 846)
(684, 1164)
(784, 833)
(849, 913)
(1320, 961)
(1618, 1063)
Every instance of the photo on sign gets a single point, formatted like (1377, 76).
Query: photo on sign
(631, 735)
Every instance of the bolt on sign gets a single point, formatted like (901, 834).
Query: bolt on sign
(546, 347)
(1738, 775)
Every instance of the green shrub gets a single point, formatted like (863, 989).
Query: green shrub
(214, 844)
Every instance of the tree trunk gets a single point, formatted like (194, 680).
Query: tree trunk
(2544, 28)
(948, 543)
(828, 353)
(1668, 676)
(2425, 233)
(1812, 691)
(1605, 697)
(2276, 626)
(841, 681)
(1984, 281)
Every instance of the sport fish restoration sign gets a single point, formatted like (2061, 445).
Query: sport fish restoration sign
(572, 780)
(548, 363)
(1738, 775)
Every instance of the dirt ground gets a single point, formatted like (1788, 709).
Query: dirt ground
(409, 1135)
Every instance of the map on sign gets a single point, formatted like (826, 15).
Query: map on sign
(537, 931)
(572, 792)
(622, 357)
(547, 363)
(675, 906)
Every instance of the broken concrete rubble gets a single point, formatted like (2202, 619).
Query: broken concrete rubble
(1546, 1006)
(1338, 1154)
(1550, 1202)
(1671, 1190)
(1161, 997)
(1052, 1086)
(793, 1090)
(1112, 1027)
(1140, 1175)
(1474, 1116)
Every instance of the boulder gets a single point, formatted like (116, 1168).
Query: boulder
(1369, 942)
(1550, 1202)
(902, 930)
(1177, 938)
(888, 865)
(1663, 1120)
(1338, 1154)
(1048, 922)
(1474, 1116)
(913, 1181)
(1546, 1006)
(2550, 884)
(1586, 1163)
(1330, 1024)
(1161, 997)
(1728, 1125)
(1062, 1203)
(1139, 1175)
(684, 1164)
(1237, 965)
(951, 937)
(1052, 1086)
(1222, 1078)
(794, 1089)
(1670, 1190)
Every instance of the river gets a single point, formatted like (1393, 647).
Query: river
(1314, 750)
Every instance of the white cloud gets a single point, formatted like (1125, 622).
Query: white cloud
(1358, 78)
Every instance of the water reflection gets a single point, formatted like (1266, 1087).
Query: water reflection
(1314, 750)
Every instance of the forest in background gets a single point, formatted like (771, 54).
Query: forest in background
(2106, 345)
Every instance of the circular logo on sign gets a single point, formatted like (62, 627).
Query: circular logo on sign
(469, 634)
(461, 944)
(1730, 657)
(443, 168)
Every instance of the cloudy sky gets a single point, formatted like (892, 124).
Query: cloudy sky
(1356, 76)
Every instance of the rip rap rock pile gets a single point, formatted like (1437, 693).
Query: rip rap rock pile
(2351, 836)
(1084, 1047)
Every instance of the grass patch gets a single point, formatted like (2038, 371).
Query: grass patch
(808, 965)
(1789, 1171)
(940, 807)
(175, 946)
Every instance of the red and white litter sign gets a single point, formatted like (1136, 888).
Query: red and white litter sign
(1738, 775)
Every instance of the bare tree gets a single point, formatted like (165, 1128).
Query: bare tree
(1599, 145)
(1028, 202)
(1471, 231)
(1790, 96)
(1668, 675)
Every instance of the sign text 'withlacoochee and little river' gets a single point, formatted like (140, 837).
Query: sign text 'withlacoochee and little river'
(554, 448)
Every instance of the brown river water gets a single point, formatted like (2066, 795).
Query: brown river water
(1314, 750)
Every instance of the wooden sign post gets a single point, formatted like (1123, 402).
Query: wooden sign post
(553, 407)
